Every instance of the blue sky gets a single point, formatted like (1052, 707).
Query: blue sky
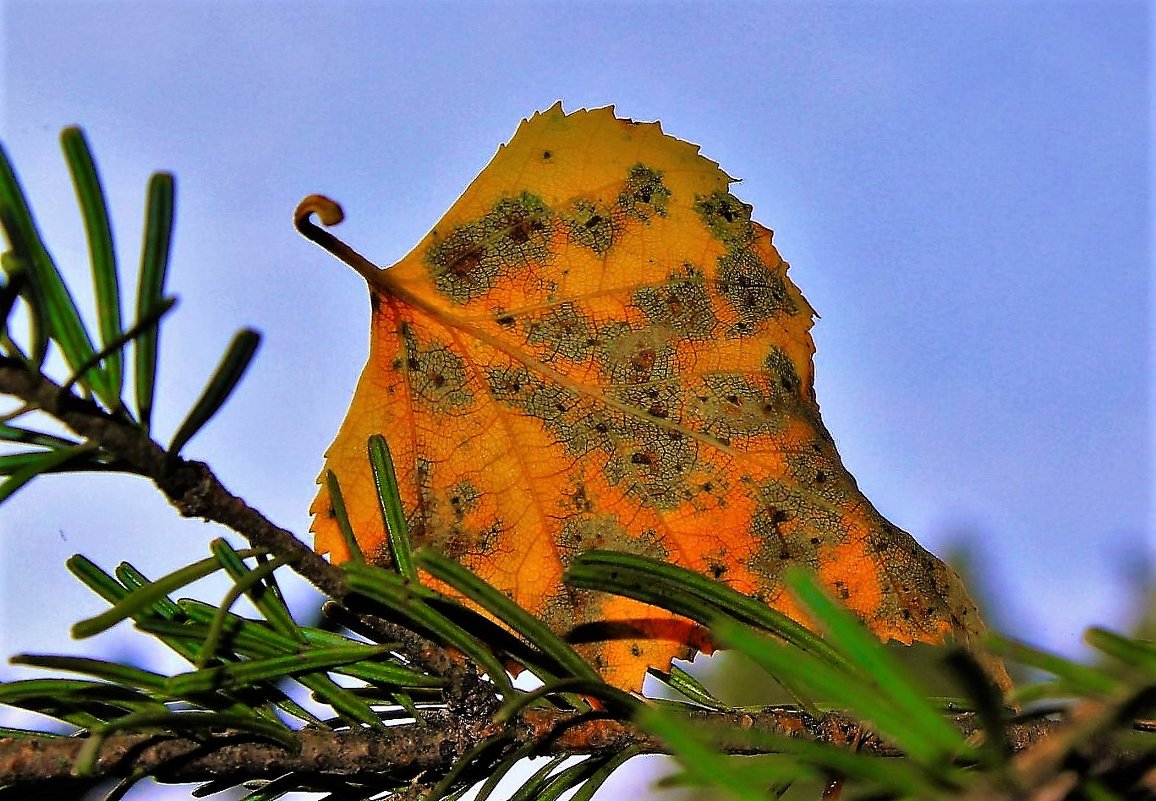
(962, 189)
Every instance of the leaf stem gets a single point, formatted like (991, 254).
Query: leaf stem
(329, 212)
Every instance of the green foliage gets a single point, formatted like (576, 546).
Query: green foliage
(34, 283)
(272, 677)
(392, 513)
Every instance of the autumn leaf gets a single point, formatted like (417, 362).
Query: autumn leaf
(597, 347)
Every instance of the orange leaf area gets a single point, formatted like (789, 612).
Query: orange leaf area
(597, 347)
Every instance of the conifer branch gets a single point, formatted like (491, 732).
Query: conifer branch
(196, 492)
(424, 722)
(405, 753)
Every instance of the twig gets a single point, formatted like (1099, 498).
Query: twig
(195, 491)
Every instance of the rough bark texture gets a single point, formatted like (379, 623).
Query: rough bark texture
(403, 753)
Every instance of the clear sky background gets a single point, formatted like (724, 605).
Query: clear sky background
(962, 189)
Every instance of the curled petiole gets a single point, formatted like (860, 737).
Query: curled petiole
(329, 213)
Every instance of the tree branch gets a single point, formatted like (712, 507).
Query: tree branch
(196, 491)
(398, 755)
(404, 753)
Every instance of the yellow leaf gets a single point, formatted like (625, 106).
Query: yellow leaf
(597, 348)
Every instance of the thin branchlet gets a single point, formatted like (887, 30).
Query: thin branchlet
(195, 491)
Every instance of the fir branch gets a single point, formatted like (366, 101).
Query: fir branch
(189, 485)
(405, 753)
(220, 723)
(195, 491)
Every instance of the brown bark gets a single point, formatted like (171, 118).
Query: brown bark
(404, 753)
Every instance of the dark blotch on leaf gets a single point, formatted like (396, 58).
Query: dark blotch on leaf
(753, 289)
(469, 260)
(682, 304)
(728, 218)
(437, 375)
(591, 227)
(645, 195)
